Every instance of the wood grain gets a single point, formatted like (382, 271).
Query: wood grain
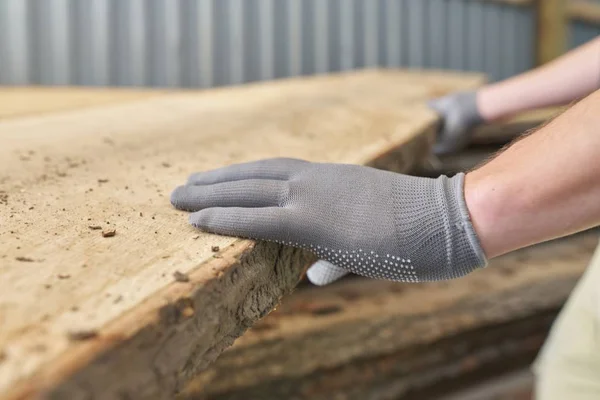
(367, 339)
(87, 316)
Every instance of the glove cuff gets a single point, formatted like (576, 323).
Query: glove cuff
(468, 104)
(474, 256)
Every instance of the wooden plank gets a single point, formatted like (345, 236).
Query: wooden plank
(586, 11)
(83, 315)
(501, 132)
(552, 30)
(22, 101)
(363, 338)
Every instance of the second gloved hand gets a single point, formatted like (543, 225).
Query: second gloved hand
(459, 114)
(370, 222)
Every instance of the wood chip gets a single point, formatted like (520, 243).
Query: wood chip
(118, 299)
(24, 259)
(94, 227)
(102, 180)
(82, 335)
(196, 237)
(181, 277)
(215, 248)
(109, 233)
(64, 276)
(166, 165)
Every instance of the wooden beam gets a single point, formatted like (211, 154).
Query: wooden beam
(363, 338)
(501, 132)
(585, 11)
(552, 30)
(136, 315)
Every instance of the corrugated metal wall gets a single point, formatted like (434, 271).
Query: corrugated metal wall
(202, 43)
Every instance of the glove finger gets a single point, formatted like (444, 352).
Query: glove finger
(245, 193)
(268, 223)
(273, 168)
(441, 105)
(323, 273)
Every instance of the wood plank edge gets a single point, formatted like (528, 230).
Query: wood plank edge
(258, 274)
(92, 366)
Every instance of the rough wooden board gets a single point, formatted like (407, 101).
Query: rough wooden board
(153, 333)
(21, 101)
(366, 339)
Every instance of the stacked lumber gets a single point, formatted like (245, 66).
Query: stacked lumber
(106, 291)
(368, 339)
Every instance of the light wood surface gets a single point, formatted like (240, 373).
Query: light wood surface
(21, 101)
(82, 314)
(368, 339)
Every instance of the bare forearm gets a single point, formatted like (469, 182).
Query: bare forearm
(570, 77)
(542, 187)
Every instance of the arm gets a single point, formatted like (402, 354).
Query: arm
(568, 78)
(392, 226)
(544, 186)
(571, 77)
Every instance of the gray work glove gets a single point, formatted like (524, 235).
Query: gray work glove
(459, 115)
(371, 222)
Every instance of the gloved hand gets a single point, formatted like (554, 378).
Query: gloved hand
(371, 222)
(459, 115)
